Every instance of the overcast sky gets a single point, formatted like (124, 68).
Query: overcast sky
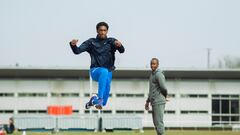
(37, 32)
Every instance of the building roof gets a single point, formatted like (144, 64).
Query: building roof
(76, 73)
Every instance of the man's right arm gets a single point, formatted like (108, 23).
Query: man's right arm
(85, 46)
(147, 103)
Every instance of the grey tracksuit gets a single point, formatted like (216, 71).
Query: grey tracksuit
(157, 99)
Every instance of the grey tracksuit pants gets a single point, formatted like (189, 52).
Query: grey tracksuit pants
(157, 115)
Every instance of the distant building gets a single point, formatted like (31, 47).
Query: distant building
(199, 98)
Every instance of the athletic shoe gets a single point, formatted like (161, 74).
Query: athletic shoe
(89, 104)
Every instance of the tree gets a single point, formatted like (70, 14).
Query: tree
(229, 62)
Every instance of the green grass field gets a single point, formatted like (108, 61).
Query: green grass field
(147, 132)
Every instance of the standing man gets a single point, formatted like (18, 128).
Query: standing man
(102, 52)
(157, 96)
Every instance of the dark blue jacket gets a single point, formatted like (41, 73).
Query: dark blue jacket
(102, 51)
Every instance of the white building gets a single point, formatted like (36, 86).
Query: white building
(199, 98)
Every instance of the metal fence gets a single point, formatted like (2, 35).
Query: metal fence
(83, 122)
(121, 122)
(88, 122)
(35, 121)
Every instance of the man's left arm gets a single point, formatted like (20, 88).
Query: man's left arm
(161, 82)
(117, 45)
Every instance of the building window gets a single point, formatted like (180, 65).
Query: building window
(70, 94)
(215, 120)
(129, 111)
(6, 111)
(194, 112)
(225, 106)
(234, 106)
(235, 119)
(139, 112)
(166, 112)
(139, 95)
(32, 111)
(120, 95)
(87, 111)
(107, 111)
(42, 111)
(216, 106)
(215, 96)
(194, 96)
(225, 109)
(6, 94)
(234, 96)
(95, 111)
(171, 95)
(75, 111)
(225, 119)
(65, 94)
(225, 96)
(203, 96)
(86, 94)
(55, 94)
(129, 95)
(32, 94)
(120, 111)
(169, 112)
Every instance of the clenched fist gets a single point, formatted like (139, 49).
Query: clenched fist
(118, 43)
(74, 42)
(147, 106)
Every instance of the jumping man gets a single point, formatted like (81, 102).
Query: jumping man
(102, 52)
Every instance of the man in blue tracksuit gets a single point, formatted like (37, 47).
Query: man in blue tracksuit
(102, 52)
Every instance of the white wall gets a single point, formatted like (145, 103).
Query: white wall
(133, 86)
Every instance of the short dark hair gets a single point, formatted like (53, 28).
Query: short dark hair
(102, 24)
(155, 59)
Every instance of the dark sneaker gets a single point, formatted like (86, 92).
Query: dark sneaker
(89, 104)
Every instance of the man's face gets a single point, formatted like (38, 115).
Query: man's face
(154, 65)
(102, 32)
(10, 121)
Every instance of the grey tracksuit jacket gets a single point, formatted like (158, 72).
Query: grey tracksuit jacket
(157, 88)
